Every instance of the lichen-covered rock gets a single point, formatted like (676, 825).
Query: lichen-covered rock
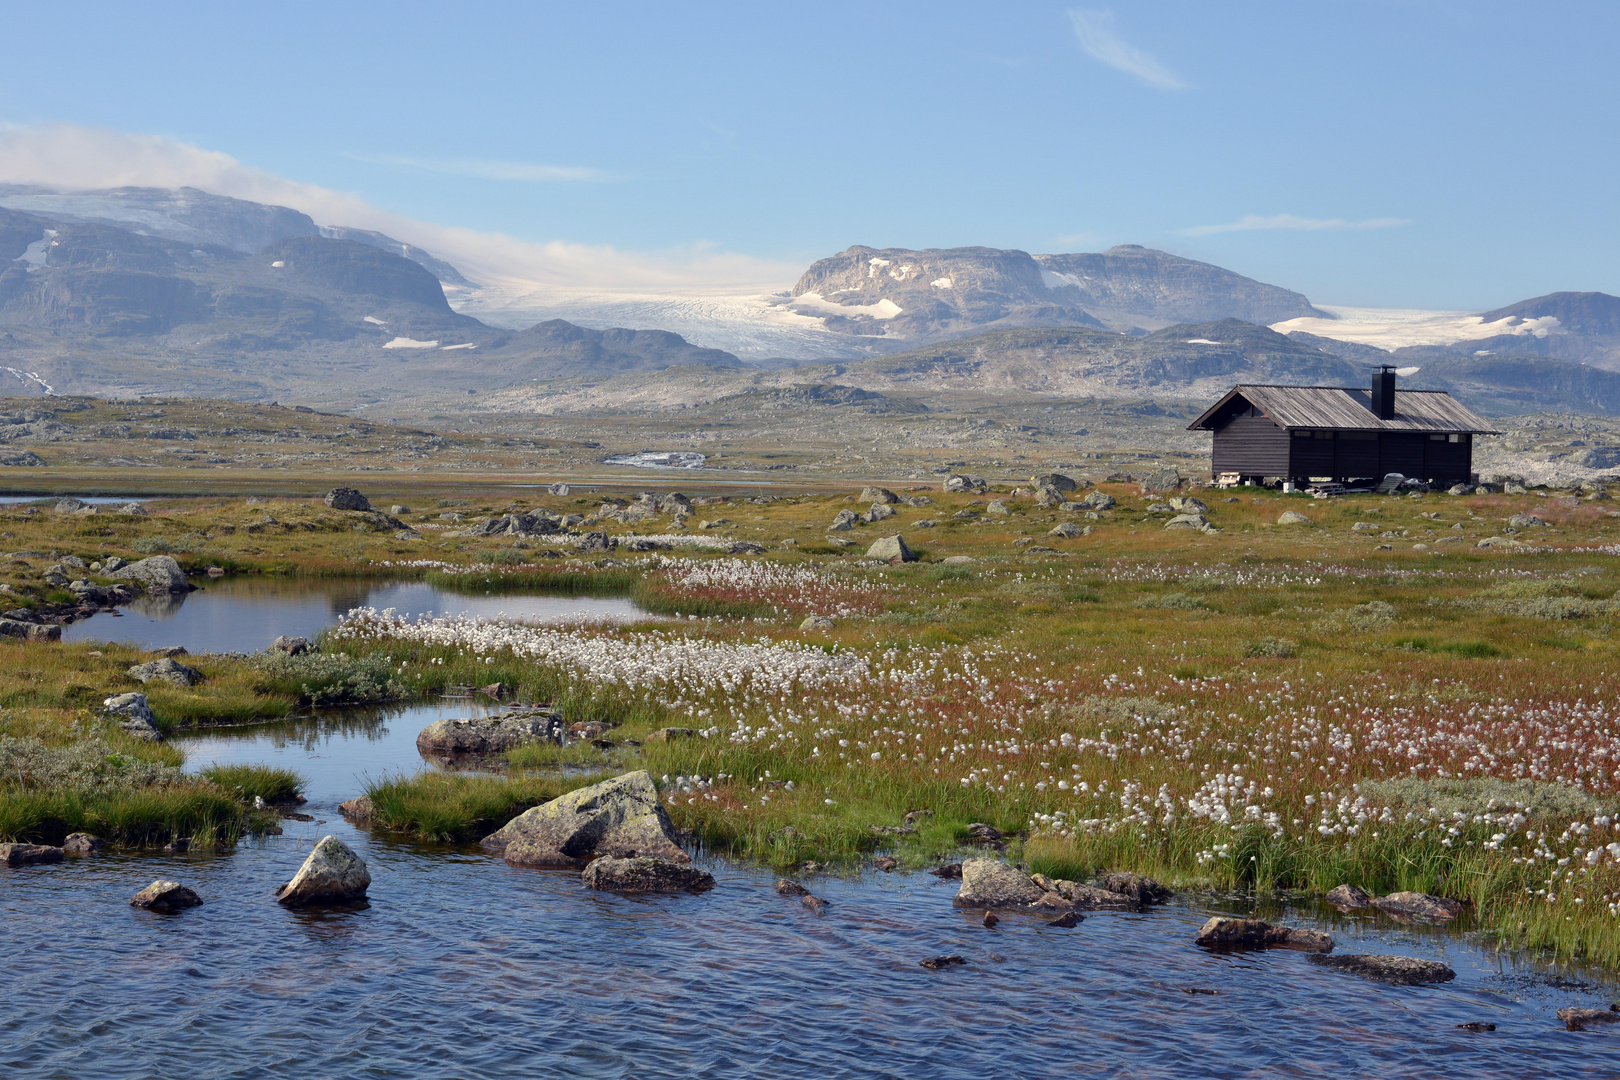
(891, 549)
(877, 495)
(358, 809)
(1349, 897)
(817, 622)
(1226, 933)
(844, 520)
(344, 498)
(1418, 907)
(333, 874)
(29, 854)
(956, 483)
(133, 714)
(620, 817)
(493, 734)
(82, 843)
(1398, 970)
(992, 883)
(1144, 890)
(157, 574)
(1048, 497)
(998, 507)
(1292, 517)
(1099, 500)
(878, 512)
(292, 646)
(644, 874)
(165, 896)
(1166, 479)
(1524, 521)
(166, 670)
(1053, 480)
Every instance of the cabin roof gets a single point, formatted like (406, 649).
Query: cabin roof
(1344, 408)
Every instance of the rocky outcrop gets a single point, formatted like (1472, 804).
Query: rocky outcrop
(1397, 970)
(29, 854)
(1226, 933)
(992, 883)
(645, 874)
(133, 714)
(165, 896)
(16, 628)
(166, 670)
(620, 817)
(493, 734)
(891, 549)
(1418, 907)
(344, 498)
(333, 874)
(538, 524)
(157, 574)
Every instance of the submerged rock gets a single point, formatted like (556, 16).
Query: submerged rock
(791, 888)
(1068, 920)
(489, 734)
(1398, 970)
(1144, 890)
(1225, 933)
(358, 809)
(165, 896)
(1417, 907)
(29, 854)
(815, 903)
(620, 817)
(333, 874)
(645, 873)
(950, 871)
(166, 670)
(1581, 1019)
(938, 963)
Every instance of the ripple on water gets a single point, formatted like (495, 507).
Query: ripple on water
(463, 966)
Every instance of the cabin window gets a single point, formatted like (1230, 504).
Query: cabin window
(1457, 438)
(1324, 434)
(1440, 438)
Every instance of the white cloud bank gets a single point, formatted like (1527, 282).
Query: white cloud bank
(1259, 223)
(71, 157)
(1098, 39)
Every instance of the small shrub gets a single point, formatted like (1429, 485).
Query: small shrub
(324, 678)
(1361, 619)
(1480, 649)
(1269, 646)
(1175, 600)
(1482, 795)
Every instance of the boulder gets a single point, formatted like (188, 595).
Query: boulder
(1524, 521)
(1187, 521)
(492, 734)
(956, 483)
(156, 574)
(82, 843)
(991, 883)
(593, 543)
(1417, 907)
(1366, 527)
(30, 631)
(878, 512)
(877, 495)
(1166, 479)
(1068, 530)
(1225, 933)
(1188, 505)
(645, 874)
(817, 622)
(346, 499)
(669, 734)
(844, 520)
(1576, 1019)
(558, 488)
(1292, 517)
(939, 963)
(1144, 890)
(166, 670)
(70, 505)
(999, 508)
(398, 509)
(292, 646)
(1053, 480)
(815, 904)
(133, 714)
(333, 874)
(358, 809)
(746, 547)
(891, 549)
(165, 896)
(1098, 500)
(784, 887)
(1398, 970)
(112, 563)
(29, 854)
(620, 817)
(541, 524)
(1048, 497)
(1500, 542)
(170, 651)
(1458, 489)
(1349, 898)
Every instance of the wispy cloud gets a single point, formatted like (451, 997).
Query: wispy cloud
(486, 169)
(1095, 30)
(1260, 223)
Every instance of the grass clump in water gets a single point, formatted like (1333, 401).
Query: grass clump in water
(328, 678)
(453, 808)
(264, 781)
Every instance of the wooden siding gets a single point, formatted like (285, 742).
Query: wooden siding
(1251, 446)
(1255, 446)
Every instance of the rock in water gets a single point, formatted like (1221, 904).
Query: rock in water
(990, 920)
(988, 883)
(1068, 920)
(791, 888)
(333, 874)
(620, 817)
(891, 549)
(1143, 890)
(166, 670)
(1349, 898)
(489, 734)
(815, 903)
(1418, 907)
(1581, 1019)
(1398, 970)
(358, 809)
(157, 574)
(165, 896)
(347, 499)
(133, 714)
(82, 843)
(643, 874)
(939, 963)
(29, 854)
(1224, 933)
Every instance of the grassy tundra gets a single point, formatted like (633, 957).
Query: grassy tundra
(1358, 699)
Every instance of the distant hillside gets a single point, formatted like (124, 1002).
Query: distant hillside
(1588, 313)
(1130, 281)
(1507, 385)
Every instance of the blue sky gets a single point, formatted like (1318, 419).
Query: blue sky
(1398, 154)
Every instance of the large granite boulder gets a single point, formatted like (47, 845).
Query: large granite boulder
(844, 520)
(157, 574)
(1292, 517)
(132, 713)
(645, 874)
(165, 896)
(958, 483)
(877, 495)
(891, 549)
(333, 874)
(344, 498)
(1053, 480)
(620, 817)
(166, 670)
(492, 734)
(993, 883)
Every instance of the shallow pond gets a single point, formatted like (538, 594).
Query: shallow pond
(245, 614)
(462, 966)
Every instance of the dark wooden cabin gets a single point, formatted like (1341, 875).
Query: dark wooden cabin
(1338, 433)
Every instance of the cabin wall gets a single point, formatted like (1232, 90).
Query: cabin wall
(1250, 446)
(1346, 455)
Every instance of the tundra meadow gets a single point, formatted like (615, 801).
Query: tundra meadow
(1398, 693)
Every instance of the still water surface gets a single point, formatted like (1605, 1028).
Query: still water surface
(462, 966)
(245, 614)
